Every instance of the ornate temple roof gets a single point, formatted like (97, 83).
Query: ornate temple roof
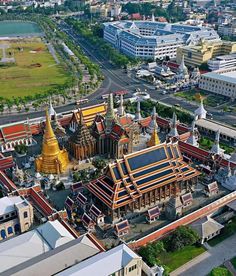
(82, 135)
(119, 128)
(89, 113)
(14, 132)
(128, 178)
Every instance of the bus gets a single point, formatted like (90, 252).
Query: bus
(82, 101)
(105, 96)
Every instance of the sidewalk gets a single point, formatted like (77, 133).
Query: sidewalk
(204, 263)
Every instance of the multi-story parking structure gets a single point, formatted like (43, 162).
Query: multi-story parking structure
(151, 40)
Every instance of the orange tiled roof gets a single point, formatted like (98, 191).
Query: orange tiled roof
(15, 132)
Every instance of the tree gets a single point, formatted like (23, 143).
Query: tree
(180, 238)
(151, 252)
(21, 149)
(99, 163)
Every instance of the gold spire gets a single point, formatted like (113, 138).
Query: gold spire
(154, 140)
(52, 160)
(48, 134)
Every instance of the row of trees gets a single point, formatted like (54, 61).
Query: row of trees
(162, 110)
(93, 35)
(72, 66)
(181, 237)
(172, 13)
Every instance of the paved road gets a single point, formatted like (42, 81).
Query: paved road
(204, 263)
(115, 79)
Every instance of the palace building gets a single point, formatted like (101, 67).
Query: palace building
(52, 160)
(142, 179)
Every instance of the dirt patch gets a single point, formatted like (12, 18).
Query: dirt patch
(38, 49)
(35, 65)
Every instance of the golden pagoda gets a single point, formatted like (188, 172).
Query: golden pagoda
(154, 140)
(52, 160)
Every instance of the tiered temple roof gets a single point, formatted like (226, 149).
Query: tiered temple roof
(15, 132)
(140, 172)
(82, 135)
(89, 113)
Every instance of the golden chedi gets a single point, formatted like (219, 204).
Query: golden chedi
(52, 160)
(154, 140)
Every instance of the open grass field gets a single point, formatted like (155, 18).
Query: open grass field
(34, 70)
(176, 259)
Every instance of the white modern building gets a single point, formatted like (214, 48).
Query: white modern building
(151, 40)
(221, 82)
(222, 62)
(25, 247)
(57, 259)
(120, 260)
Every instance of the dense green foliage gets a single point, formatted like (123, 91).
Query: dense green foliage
(206, 143)
(180, 238)
(21, 149)
(98, 163)
(93, 35)
(170, 249)
(173, 13)
(162, 110)
(151, 252)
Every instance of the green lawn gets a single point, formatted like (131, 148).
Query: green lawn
(35, 70)
(227, 231)
(206, 143)
(175, 259)
(211, 100)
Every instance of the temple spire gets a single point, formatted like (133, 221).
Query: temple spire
(200, 112)
(153, 122)
(121, 109)
(52, 160)
(173, 131)
(110, 115)
(216, 146)
(153, 17)
(48, 134)
(229, 171)
(138, 116)
(52, 111)
(154, 140)
(192, 140)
